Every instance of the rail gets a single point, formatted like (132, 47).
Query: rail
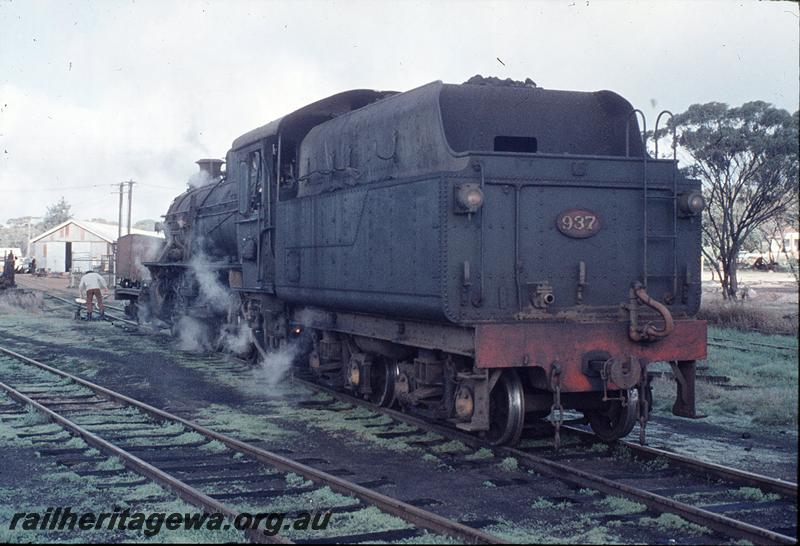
(416, 516)
(720, 523)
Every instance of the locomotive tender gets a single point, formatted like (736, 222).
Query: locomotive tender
(479, 253)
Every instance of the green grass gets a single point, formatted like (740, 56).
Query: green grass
(581, 529)
(293, 481)
(481, 454)
(314, 500)
(509, 464)
(348, 423)
(619, 506)
(671, 522)
(771, 376)
(755, 494)
(428, 458)
(453, 446)
(214, 446)
(367, 520)
(246, 424)
(544, 504)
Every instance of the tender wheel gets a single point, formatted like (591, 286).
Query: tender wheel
(613, 421)
(382, 376)
(506, 410)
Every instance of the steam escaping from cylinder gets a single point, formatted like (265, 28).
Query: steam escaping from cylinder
(274, 366)
(237, 341)
(233, 337)
(193, 335)
(196, 335)
(212, 292)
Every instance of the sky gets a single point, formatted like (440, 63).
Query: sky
(96, 92)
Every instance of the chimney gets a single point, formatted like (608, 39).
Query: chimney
(212, 167)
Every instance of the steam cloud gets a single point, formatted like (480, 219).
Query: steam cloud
(239, 340)
(199, 179)
(196, 336)
(212, 292)
(273, 366)
(192, 335)
(146, 250)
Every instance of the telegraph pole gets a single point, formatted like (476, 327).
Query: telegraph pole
(28, 248)
(130, 200)
(119, 223)
(30, 226)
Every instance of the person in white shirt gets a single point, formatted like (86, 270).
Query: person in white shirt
(91, 284)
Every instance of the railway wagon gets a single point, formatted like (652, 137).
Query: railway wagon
(482, 254)
(132, 277)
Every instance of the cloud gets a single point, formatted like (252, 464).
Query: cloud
(98, 92)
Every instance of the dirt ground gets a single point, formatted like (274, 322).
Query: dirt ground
(48, 284)
(770, 290)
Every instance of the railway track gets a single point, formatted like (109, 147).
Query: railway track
(706, 494)
(210, 470)
(754, 346)
(109, 316)
(731, 502)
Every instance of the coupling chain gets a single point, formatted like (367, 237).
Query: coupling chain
(556, 410)
(643, 404)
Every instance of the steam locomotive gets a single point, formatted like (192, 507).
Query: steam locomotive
(488, 253)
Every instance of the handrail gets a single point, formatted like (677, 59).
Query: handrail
(633, 113)
(674, 197)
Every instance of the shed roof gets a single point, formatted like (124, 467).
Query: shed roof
(107, 232)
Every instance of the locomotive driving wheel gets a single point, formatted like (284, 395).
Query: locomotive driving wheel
(613, 421)
(506, 410)
(382, 376)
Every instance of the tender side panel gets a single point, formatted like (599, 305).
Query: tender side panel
(371, 249)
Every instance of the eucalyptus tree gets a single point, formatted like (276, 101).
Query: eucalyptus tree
(747, 160)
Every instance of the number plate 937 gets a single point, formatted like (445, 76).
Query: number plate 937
(578, 223)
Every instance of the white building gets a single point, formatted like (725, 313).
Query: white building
(76, 245)
(789, 246)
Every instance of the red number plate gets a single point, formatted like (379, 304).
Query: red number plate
(578, 223)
